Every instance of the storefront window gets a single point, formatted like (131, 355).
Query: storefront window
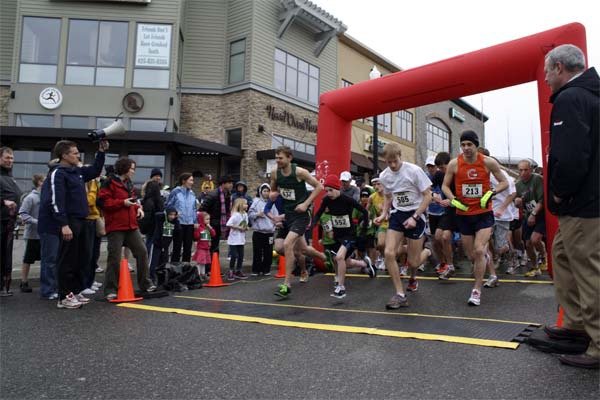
(438, 137)
(35, 120)
(237, 61)
(296, 77)
(97, 52)
(39, 50)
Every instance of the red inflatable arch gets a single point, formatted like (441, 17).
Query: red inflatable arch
(507, 64)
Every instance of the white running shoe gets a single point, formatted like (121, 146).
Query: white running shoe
(475, 298)
(89, 291)
(97, 284)
(82, 299)
(69, 302)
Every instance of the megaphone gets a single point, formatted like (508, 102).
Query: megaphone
(113, 129)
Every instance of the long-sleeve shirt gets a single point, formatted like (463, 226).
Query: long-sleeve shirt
(340, 210)
(29, 213)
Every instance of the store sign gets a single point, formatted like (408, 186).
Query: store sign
(153, 47)
(304, 124)
(51, 98)
(454, 113)
(369, 144)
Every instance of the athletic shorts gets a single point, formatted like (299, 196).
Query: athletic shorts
(32, 251)
(469, 225)
(434, 221)
(539, 227)
(350, 246)
(398, 218)
(515, 224)
(448, 221)
(501, 229)
(294, 222)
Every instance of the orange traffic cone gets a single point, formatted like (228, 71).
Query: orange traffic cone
(559, 318)
(281, 270)
(125, 292)
(215, 273)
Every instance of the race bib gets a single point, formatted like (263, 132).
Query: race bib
(530, 205)
(288, 194)
(328, 226)
(340, 221)
(271, 240)
(472, 190)
(402, 199)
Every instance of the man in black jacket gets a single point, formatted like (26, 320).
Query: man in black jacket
(217, 204)
(10, 194)
(573, 195)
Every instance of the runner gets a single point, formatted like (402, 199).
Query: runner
(471, 174)
(408, 193)
(375, 209)
(290, 181)
(340, 208)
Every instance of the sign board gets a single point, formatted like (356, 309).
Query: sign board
(51, 98)
(454, 113)
(153, 46)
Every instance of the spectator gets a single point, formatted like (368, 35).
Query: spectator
(152, 203)
(166, 226)
(241, 191)
(218, 205)
(10, 194)
(203, 236)
(183, 199)
(347, 189)
(121, 213)
(29, 212)
(90, 262)
(262, 237)
(208, 185)
(69, 209)
(238, 223)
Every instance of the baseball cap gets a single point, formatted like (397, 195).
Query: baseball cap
(430, 160)
(345, 176)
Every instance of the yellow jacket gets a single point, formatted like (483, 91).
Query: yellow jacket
(91, 188)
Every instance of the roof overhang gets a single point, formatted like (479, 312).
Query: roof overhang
(299, 157)
(324, 25)
(185, 143)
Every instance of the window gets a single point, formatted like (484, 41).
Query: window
(35, 121)
(102, 122)
(28, 163)
(296, 77)
(232, 168)
(152, 56)
(234, 137)
(404, 125)
(148, 125)
(384, 122)
(144, 165)
(96, 53)
(295, 145)
(237, 61)
(346, 83)
(75, 122)
(438, 137)
(39, 50)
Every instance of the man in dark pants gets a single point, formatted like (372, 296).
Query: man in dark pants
(70, 208)
(10, 194)
(574, 196)
(217, 204)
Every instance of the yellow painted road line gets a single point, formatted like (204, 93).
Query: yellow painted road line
(361, 311)
(433, 278)
(327, 327)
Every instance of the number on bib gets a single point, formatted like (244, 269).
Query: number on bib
(472, 190)
(402, 199)
(340, 221)
(287, 194)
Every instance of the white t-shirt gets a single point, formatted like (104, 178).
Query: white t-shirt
(498, 199)
(406, 186)
(236, 236)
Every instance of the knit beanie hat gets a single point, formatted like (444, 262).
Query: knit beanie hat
(332, 181)
(470, 136)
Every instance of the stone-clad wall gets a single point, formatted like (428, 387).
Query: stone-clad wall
(4, 98)
(209, 116)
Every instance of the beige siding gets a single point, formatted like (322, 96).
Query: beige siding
(296, 40)
(8, 13)
(239, 27)
(205, 44)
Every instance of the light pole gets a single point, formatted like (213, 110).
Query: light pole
(374, 74)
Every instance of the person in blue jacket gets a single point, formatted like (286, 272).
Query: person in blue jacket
(183, 199)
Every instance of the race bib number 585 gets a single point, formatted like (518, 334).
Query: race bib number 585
(402, 199)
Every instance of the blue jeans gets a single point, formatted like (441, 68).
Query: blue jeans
(49, 254)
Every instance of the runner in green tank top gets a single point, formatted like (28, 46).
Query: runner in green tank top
(289, 181)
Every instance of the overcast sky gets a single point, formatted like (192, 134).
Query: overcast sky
(411, 33)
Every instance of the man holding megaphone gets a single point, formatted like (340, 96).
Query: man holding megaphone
(113, 129)
(63, 210)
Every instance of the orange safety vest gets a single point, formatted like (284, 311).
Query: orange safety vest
(472, 181)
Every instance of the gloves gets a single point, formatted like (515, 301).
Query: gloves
(486, 197)
(457, 204)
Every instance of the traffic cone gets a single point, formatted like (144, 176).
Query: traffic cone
(215, 273)
(281, 270)
(125, 292)
(559, 318)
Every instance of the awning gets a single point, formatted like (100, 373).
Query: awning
(382, 164)
(361, 161)
(185, 143)
(299, 157)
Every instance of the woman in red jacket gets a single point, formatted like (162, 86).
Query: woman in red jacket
(121, 214)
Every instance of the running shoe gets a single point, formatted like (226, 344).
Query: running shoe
(397, 301)
(372, 272)
(304, 276)
(442, 268)
(25, 288)
(69, 302)
(421, 268)
(239, 275)
(335, 283)
(339, 292)
(438, 268)
(283, 290)
(542, 264)
(413, 285)
(99, 270)
(89, 291)
(449, 271)
(475, 298)
(82, 299)
(151, 289)
(111, 296)
(230, 276)
(491, 282)
(131, 269)
(380, 264)
(511, 270)
(404, 270)
(532, 273)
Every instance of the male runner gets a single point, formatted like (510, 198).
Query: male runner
(471, 174)
(408, 193)
(375, 207)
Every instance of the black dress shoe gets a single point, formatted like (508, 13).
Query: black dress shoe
(580, 361)
(555, 332)
(25, 287)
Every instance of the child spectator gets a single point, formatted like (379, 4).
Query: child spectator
(238, 224)
(262, 237)
(166, 225)
(203, 236)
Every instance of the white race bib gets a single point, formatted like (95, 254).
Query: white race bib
(328, 226)
(288, 194)
(530, 205)
(402, 199)
(472, 190)
(340, 221)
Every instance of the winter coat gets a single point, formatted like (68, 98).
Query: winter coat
(29, 212)
(260, 224)
(117, 216)
(244, 193)
(184, 201)
(9, 190)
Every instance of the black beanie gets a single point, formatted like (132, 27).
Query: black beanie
(470, 136)
(155, 171)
